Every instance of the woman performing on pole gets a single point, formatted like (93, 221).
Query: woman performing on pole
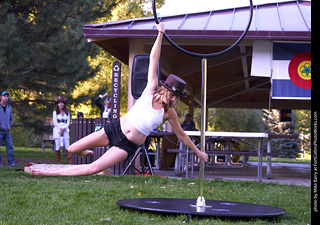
(127, 134)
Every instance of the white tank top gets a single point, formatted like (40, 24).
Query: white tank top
(143, 116)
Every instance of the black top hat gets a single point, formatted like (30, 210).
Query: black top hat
(175, 85)
(61, 99)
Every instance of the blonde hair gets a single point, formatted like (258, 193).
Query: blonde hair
(162, 92)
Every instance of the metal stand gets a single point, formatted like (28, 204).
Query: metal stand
(144, 167)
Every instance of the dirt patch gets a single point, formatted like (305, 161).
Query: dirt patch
(25, 161)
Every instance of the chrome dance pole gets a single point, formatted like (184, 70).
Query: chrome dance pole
(201, 201)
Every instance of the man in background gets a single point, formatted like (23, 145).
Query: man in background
(6, 119)
(105, 110)
(188, 124)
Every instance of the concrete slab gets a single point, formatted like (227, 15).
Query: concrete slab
(282, 173)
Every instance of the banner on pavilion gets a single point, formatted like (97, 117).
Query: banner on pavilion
(291, 64)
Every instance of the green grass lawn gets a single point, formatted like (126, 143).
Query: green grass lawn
(305, 160)
(28, 152)
(25, 199)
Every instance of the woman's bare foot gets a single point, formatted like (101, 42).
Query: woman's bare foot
(85, 153)
(40, 173)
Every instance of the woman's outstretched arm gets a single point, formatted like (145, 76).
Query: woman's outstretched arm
(183, 137)
(152, 84)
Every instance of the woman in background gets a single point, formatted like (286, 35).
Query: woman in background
(61, 121)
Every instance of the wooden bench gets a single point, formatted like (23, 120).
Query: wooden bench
(47, 136)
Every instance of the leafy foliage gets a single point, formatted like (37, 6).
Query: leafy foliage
(286, 147)
(43, 52)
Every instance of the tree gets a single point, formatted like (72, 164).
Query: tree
(43, 52)
(303, 121)
(287, 148)
(248, 120)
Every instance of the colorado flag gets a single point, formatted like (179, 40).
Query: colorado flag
(291, 77)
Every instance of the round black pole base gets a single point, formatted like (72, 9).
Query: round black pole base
(213, 208)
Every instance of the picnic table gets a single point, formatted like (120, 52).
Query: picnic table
(184, 154)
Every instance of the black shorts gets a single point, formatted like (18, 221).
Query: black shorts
(118, 139)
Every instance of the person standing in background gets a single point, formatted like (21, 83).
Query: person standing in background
(61, 121)
(105, 110)
(188, 124)
(6, 119)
